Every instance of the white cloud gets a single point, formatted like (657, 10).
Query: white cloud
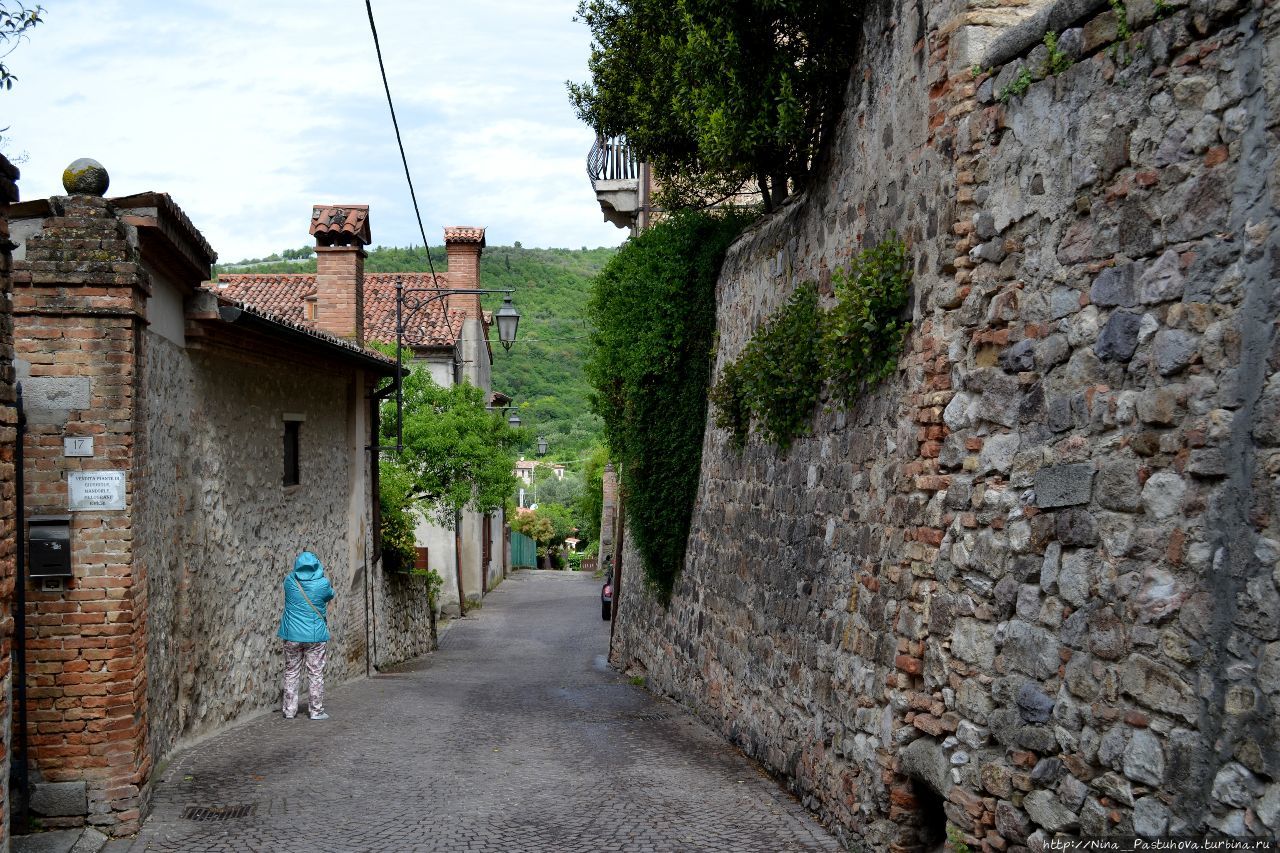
(249, 113)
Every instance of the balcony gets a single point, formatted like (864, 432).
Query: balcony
(616, 176)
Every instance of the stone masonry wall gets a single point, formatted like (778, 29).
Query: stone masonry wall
(218, 532)
(9, 526)
(1028, 586)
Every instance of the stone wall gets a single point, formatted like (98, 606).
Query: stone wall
(218, 533)
(1027, 586)
(9, 527)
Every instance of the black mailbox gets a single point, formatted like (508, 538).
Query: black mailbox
(49, 537)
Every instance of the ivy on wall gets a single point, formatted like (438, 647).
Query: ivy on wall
(653, 309)
(778, 378)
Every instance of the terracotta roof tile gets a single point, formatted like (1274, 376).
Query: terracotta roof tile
(464, 234)
(332, 340)
(280, 294)
(340, 224)
(429, 327)
(285, 295)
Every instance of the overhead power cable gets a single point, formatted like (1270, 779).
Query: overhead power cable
(368, 5)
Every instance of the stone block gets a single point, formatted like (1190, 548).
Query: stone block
(1117, 486)
(1045, 809)
(1150, 818)
(925, 760)
(1160, 406)
(1076, 527)
(1030, 649)
(60, 799)
(974, 642)
(1173, 350)
(1064, 485)
(1162, 281)
(1119, 338)
(57, 393)
(54, 841)
(1159, 688)
(1034, 704)
(1162, 495)
(1144, 758)
(1115, 286)
(997, 453)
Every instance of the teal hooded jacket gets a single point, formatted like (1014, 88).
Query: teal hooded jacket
(299, 622)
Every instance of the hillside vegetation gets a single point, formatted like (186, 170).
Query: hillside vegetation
(543, 371)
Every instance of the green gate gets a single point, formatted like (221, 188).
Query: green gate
(524, 552)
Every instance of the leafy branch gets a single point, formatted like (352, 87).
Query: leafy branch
(15, 20)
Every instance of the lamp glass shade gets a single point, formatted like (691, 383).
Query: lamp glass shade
(514, 421)
(542, 446)
(508, 319)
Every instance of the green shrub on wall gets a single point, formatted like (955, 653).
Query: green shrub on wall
(777, 379)
(773, 378)
(395, 494)
(653, 308)
(862, 334)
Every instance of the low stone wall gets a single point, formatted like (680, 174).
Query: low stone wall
(1027, 586)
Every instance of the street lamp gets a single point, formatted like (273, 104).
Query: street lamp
(409, 303)
(508, 319)
(542, 446)
(514, 421)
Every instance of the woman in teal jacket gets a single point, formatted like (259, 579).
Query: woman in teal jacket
(305, 631)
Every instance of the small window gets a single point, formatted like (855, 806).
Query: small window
(311, 310)
(292, 430)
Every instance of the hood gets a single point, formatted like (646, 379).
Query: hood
(308, 566)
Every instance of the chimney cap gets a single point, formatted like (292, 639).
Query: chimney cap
(341, 225)
(464, 234)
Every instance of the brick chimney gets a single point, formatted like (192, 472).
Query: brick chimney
(463, 245)
(341, 232)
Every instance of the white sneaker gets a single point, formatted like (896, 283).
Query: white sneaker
(321, 716)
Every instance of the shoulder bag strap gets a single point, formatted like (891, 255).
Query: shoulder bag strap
(308, 600)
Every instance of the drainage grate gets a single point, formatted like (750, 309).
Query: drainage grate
(206, 813)
(649, 718)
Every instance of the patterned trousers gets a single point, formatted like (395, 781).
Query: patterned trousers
(294, 654)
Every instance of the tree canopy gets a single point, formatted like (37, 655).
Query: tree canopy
(458, 455)
(15, 19)
(718, 96)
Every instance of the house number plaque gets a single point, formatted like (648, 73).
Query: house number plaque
(78, 445)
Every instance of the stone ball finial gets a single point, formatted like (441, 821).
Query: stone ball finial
(85, 176)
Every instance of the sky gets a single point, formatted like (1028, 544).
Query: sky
(249, 113)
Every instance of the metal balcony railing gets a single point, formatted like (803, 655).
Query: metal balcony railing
(612, 160)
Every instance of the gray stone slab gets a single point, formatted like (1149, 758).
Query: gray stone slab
(1064, 485)
(55, 841)
(59, 799)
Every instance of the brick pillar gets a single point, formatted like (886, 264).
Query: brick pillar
(463, 245)
(8, 525)
(79, 308)
(341, 232)
(340, 291)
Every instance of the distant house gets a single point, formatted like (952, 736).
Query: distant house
(449, 336)
(525, 469)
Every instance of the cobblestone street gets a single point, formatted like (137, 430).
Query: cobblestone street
(515, 736)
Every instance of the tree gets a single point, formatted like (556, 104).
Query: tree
(15, 20)
(458, 455)
(719, 95)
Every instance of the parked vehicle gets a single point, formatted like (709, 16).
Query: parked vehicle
(606, 600)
